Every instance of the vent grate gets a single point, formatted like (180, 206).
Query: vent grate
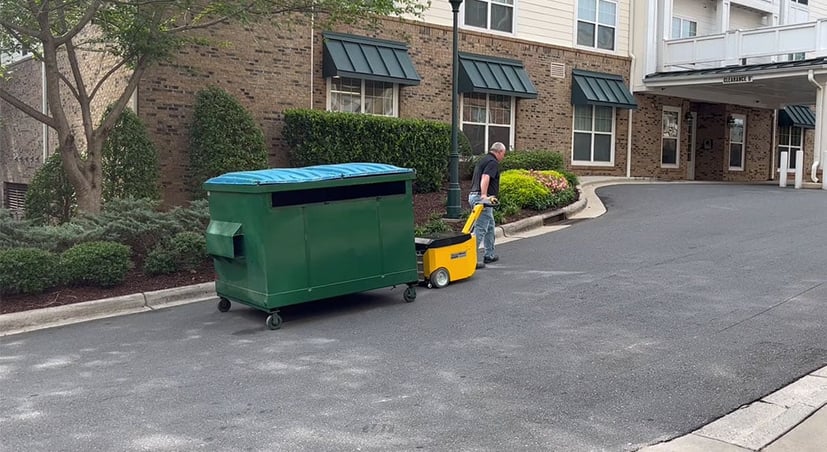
(558, 70)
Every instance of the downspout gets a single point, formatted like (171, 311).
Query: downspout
(774, 151)
(44, 108)
(312, 49)
(631, 89)
(820, 118)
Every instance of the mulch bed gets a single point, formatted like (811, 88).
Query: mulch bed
(426, 207)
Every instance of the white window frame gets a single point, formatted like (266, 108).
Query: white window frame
(801, 2)
(677, 139)
(488, 28)
(512, 119)
(790, 147)
(596, 24)
(743, 144)
(685, 22)
(395, 114)
(613, 133)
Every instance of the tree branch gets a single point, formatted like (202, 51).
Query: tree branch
(81, 95)
(117, 108)
(106, 76)
(87, 17)
(28, 110)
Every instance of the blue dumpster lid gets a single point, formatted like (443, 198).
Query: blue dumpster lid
(306, 174)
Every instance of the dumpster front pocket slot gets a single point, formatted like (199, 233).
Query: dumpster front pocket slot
(333, 194)
(225, 239)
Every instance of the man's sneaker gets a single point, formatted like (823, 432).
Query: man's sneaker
(480, 265)
(491, 259)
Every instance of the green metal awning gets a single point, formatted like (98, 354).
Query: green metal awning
(368, 59)
(598, 88)
(797, 115)
(490, 75)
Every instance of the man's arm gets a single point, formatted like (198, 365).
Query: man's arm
(484, 181)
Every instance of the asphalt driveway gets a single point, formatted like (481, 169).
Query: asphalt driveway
(680, 304)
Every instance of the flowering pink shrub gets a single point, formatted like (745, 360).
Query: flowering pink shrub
(552, 180)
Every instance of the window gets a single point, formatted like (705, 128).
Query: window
(800, 2)
(593, 135)
(596, 22)
(670, 140)
(353, 95)
(737, 129)
(497, 15)
(14, 198)
(683, 28)
(790, 139)
(486, 119)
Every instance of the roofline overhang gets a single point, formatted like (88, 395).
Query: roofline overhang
(655, 81)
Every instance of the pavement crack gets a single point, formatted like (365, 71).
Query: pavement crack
(770, 308)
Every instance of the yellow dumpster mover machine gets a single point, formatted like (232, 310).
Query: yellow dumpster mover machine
(449, 256)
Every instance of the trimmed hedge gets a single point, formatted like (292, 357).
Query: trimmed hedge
(102, 264)
(520, 188)
(533, 160)
(129, 161)
(50, 198)
(223, 138)
(184, 251)
(28, 270)
(318, 137)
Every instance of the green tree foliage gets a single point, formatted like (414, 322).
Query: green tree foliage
(130, 161)
(50, 198)
(135, 35)
(224, 137)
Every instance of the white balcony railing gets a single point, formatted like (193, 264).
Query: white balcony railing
(760, 45)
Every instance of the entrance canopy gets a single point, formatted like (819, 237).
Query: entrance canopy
(768, 85)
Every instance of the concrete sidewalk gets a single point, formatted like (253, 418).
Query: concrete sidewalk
(792, 419)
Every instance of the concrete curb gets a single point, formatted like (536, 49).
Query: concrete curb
(36, 319)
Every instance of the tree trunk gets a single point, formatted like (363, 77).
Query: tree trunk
(84, 175)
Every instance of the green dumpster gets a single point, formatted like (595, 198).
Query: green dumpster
(285, 236)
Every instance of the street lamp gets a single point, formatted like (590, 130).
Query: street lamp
(453, 160)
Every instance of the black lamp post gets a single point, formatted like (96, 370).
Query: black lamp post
(453, 160)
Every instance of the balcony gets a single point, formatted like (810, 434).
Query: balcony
(741, 47)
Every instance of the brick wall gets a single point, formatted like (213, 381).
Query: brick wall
(270, 71)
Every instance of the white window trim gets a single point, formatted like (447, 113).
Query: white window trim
(512, 119)
(595, 48)
(611, 161)
(677, 163)
(684, 20)
(790, 147)
(362, 99)
(462, 23)
(743, 145)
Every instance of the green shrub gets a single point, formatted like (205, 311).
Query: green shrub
(223, 138)
(50, 198)
(28, 270)
(103, 264)
(434, 225)
(190, 249)
(520, 188)
(571, 177)
(532, 160)
(505, 209)
(160, 261)
(129, 161)
(317, 137)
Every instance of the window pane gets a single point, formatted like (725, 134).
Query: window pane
(791, 156)
(476, 135)
(607, 15)
(501, 134)
(379, 98)
(784, 136)
(693, 28)
(473, 108)
(676, 28)
(502, 18)
(669, 154)
(585, 34)
(605, 37)
(603, 119)
(736, 132)
(346, 95)
(602, 148)
(583, 146)
(583, 117)
(795, 136)
(499, 109)
(670, 124)
(476, 13)
(587, 10)
(735, 155)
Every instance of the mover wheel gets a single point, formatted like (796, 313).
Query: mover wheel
(223, 305)
(439, 278)
(410, 294)
(274, 321)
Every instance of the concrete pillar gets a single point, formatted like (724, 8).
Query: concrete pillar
(799, 171)
(785, 165)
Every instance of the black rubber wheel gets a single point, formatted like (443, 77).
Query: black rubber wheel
(410, 294)
(274, 321)
(224, 305)
(440, 278)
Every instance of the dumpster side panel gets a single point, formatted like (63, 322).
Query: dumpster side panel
(283, 237)
(397, 231)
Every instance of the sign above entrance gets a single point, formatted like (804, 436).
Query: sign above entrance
(732, 79)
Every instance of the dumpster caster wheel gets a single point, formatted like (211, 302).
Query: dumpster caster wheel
(274, 321)
(223, 305)
(439, 278)
(410, 294)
